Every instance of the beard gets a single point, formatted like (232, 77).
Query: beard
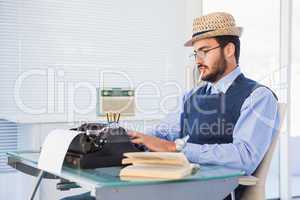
(216, 71)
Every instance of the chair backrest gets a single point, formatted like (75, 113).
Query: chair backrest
(264, 166)
(257, 191)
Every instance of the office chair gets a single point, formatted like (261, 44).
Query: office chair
(256, 184)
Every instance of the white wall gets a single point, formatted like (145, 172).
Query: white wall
(11, 185)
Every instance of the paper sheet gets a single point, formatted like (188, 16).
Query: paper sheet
(54, 150)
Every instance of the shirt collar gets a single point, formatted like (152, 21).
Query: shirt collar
(224, 83)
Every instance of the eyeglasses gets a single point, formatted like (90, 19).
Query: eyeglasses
(200, 54)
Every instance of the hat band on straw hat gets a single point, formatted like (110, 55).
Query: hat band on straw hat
(202, 32)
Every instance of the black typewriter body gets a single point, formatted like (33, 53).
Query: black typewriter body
(99, 145)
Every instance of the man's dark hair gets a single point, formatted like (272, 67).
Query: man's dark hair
(225, 39)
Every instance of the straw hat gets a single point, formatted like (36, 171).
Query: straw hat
(213, 24)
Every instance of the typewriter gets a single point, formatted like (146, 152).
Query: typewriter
(99, 145)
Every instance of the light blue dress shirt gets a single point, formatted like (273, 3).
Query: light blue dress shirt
(252, 134)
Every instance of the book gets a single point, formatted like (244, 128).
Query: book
(156, 166)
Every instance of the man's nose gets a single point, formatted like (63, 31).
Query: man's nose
(199, 61)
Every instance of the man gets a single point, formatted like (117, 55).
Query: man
(229, 121)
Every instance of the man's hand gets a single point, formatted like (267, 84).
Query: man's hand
(151, 142)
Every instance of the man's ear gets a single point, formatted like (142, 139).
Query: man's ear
(229, 50)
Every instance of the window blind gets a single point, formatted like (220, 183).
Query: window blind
(8, 142)
(53, 53)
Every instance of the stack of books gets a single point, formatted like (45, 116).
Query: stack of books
(156, 165)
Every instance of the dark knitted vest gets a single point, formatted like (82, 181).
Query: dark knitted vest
(210, 118)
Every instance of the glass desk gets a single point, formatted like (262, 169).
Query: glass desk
(209, 182)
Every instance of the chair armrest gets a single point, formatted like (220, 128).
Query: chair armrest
(248, 180)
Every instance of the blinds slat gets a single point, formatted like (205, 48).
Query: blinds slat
(8, 142)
